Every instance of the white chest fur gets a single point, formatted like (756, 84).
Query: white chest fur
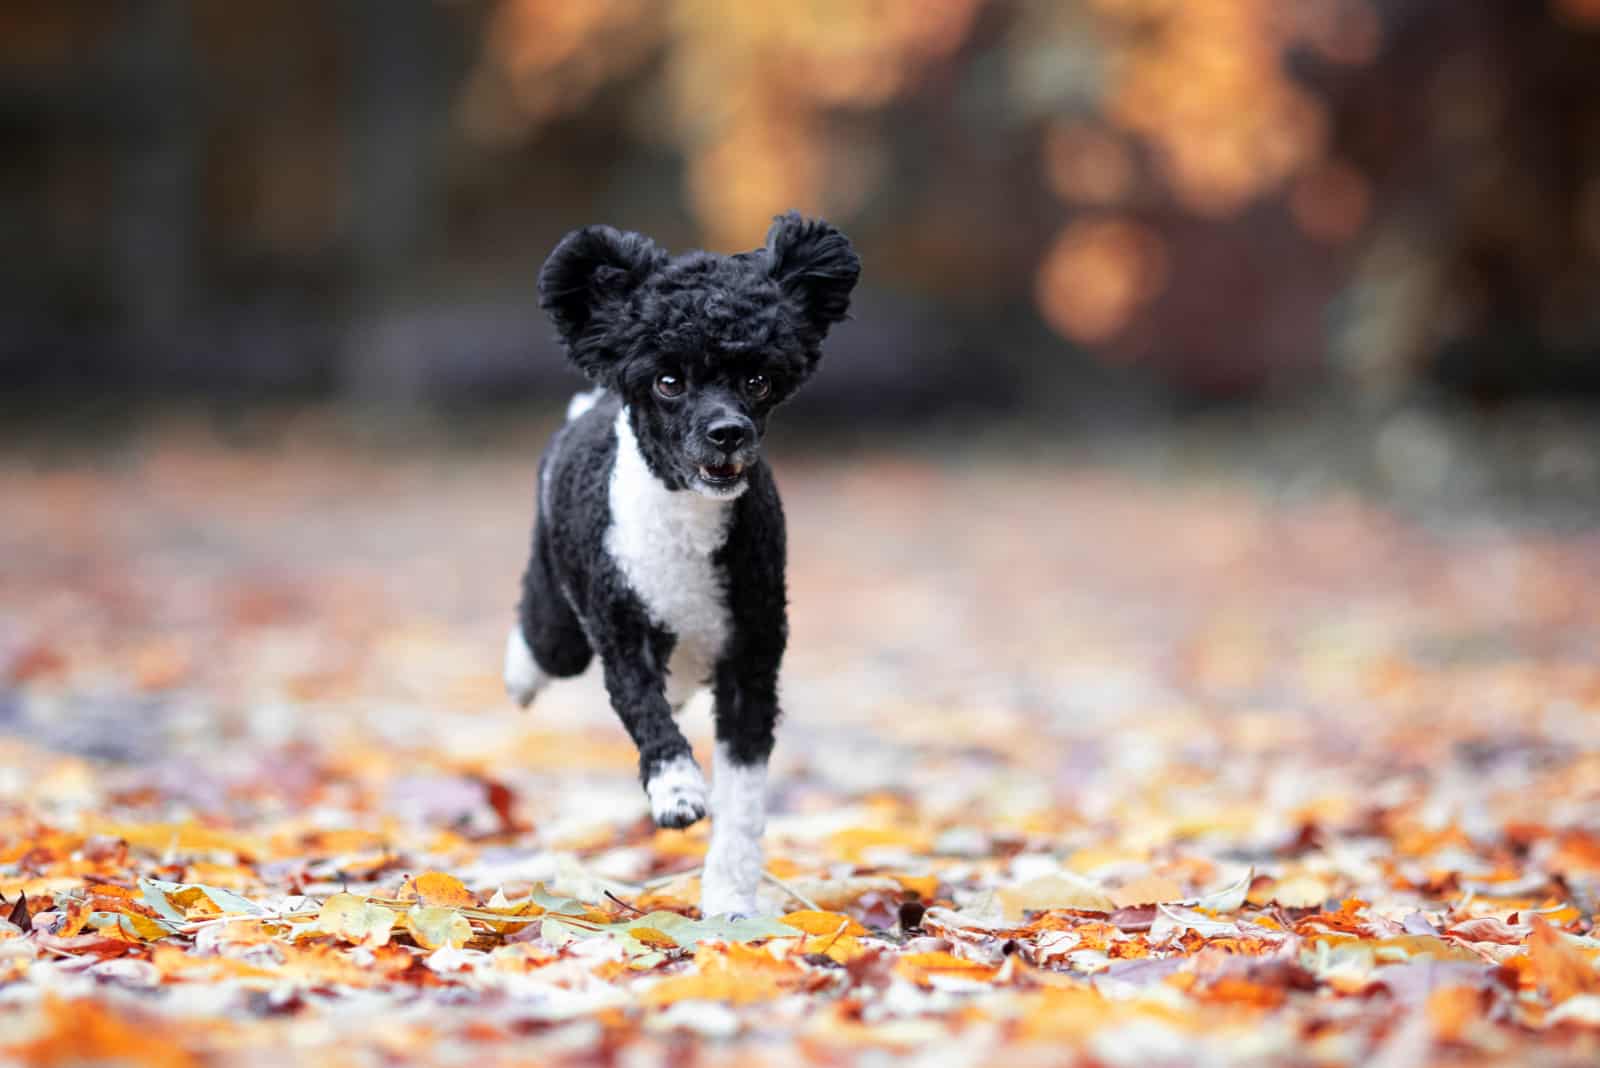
(663, 542)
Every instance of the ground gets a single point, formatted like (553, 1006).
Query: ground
(1082, 763)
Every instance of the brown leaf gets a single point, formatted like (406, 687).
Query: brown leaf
(19, 915)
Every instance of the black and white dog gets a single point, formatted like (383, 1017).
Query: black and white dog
(659, 542)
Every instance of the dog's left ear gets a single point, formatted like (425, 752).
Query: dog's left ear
(816, 268)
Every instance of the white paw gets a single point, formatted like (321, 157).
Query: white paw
(523, 677)
(726, 901)
(677, 793)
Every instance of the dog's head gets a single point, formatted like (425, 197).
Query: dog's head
(700, 347)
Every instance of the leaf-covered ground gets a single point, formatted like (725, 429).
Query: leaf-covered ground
(1078, 766)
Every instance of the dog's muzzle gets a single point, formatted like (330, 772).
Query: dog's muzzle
(721, 476)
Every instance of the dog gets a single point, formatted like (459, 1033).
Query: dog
(659, 540)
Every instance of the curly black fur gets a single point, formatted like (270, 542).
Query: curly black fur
(740, 333)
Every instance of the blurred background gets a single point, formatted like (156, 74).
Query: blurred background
(1083, 213)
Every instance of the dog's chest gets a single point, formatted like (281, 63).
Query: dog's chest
(665, 544)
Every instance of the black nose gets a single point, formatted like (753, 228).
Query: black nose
(729, 434)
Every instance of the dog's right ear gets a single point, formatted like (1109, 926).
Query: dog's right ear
(590, 273)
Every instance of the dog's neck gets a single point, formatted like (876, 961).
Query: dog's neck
(644, 510)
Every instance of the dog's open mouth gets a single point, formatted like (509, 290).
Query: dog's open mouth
(721, 474)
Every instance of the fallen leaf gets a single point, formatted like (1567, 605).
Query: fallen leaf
(922, 968)
(355, 920)
(1299, 892)
(436, 889)
(823, 923)
(653, 938)
(735, 974)
(19, 916)
(1149, 890)
(1561, 969)
(1062, 890)
(434, 926)
(1229, 898)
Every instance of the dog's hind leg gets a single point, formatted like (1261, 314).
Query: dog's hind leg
(547, 641)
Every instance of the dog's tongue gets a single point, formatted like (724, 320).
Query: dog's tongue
(722, 471)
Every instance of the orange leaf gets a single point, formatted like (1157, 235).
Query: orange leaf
(823, 923)
(437, 890)
(173, 962)
(74, 915)
(1560, 967)
(735, 973)
(922, 967)
(1237, 990)
(88, 1032)
(1451, 1009)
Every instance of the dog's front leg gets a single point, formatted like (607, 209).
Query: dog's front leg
(635, 681)
(747, 712)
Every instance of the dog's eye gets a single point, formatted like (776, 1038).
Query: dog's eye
(669, 385)
(758, 386)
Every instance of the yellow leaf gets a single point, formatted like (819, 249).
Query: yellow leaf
(433, 927)
(193, 903)
(141, 926)
(823, 923)
(653, 938)
(832, 934)
(356, 920)
(437, 889)
(840, 950)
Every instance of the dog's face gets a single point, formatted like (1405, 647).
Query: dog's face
(702, 347)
